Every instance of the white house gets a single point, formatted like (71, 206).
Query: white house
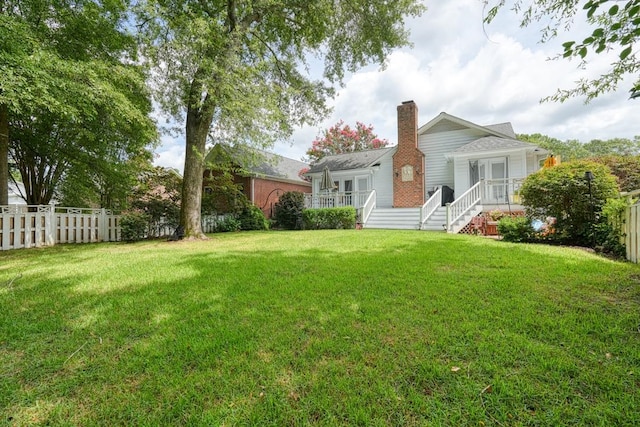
(16, 190)
(438, 176)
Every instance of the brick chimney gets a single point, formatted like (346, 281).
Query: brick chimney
(408, 161)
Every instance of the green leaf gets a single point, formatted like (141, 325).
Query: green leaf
(582, 52)
(598, 32)
(614, 10)
(625, 53)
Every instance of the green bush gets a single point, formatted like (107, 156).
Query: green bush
(228, 224)
(133, 226)
(609, 234)
(288, 210)
(625, 168)
(252, 218)
(329, 218)
(562, 192)
(516, 229)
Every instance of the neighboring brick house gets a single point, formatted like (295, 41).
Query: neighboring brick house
(447, 160)
(261, 176)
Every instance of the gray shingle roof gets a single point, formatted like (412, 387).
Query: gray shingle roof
(278, 166)
(503, 128)
(346, 161)
(259, 163)
(493, 143)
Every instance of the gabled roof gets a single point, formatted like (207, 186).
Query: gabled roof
(504, 130)
(492, 143)
(258, 163)
(346, 161)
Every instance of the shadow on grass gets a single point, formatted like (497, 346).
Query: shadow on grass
(327, 328)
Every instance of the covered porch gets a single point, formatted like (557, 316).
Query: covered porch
(335, 199)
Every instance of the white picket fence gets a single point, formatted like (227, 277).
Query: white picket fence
(632, 232)
(23, 226)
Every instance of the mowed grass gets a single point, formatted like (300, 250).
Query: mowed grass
(351, 327)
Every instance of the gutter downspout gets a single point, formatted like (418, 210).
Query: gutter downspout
(253, 194)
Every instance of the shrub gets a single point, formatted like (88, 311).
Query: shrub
(252, 218)
(329, 218)
(625, 168)
(516, 229)
(288, 210)
(228, 224)
(133, 226)
(160, 213)
(562, 192)
(609, 232)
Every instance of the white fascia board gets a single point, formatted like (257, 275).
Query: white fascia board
(445, 116)
(493, 153)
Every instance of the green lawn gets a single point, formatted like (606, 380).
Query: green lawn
(363, 327)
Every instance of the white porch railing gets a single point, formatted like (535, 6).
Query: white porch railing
(357, 199)
(430, 206)
(501, 191)
(462, 205)
(368, 207)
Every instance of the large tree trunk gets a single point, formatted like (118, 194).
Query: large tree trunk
(4, 155)
(197, 128)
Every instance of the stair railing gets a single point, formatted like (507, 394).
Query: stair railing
(368, 206)
(462, 205)
(430, 206)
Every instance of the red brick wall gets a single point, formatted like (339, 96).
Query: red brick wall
(408, 190)
(267, 193)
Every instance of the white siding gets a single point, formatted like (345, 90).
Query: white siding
(533, 162)
(517, 165)
(461, 176)
(435, 146)
(383, 182)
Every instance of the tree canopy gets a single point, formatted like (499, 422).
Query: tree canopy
(573, 149)
(236, 70)
(73, 103)
(341, 138)
(614, 27)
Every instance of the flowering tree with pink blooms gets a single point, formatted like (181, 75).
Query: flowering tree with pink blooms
(341, 138)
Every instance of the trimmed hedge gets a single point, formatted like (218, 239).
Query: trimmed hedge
(329, 218)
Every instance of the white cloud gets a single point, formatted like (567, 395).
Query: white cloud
(171, 153)
(484, 74)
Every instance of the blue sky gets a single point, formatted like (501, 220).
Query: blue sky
(482, 73)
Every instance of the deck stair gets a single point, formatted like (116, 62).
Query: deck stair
(394, 218)
(466, 219)
(437, 221)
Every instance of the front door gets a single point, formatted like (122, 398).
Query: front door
(494, 172)
(498, 171)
